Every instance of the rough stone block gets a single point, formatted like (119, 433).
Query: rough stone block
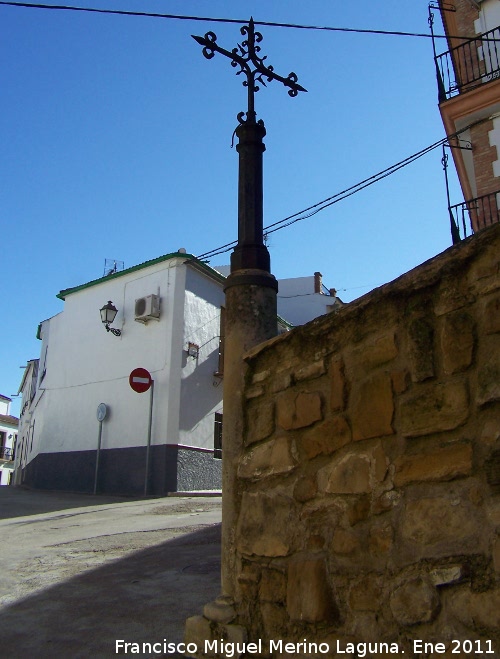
(344, 542)
(198, 630)
(372, 408)
(488, 378)
(387, 501)
(338, 385)
(348, 475)
(366, 594)
(219, 611)
(415, 602)
(309, 596)
(354, 473)
(493, 512)
(492, 470)
(492, 316)
(254, 391)
(432, 408)
(381, 538)
(261, 423)
(248, 580)
(272, 586)
(274, 619)
(310, 371)
(261, 376)
(325, 438)
(496, 554)
(457, 342)
(358, 510)
(477, 610)
(400, 381)
(281, 381)
(444, 463)
(421, 349)
(266, 524)
(375, 351)
(305, 489)
(269, 459)
(234, 634)
(453, 295)
(447, 575)
(298, 410)
(438, 525)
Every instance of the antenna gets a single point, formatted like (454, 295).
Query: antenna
(111, 266)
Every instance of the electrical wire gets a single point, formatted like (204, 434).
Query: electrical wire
(296, 26)
(310, 211)
(329, 201)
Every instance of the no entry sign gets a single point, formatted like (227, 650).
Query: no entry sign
(140, 380)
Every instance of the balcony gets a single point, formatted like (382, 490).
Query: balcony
(6, 453)
(473, 215)
(469, 65)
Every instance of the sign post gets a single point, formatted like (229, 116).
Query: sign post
(102, 411)
(141, 381)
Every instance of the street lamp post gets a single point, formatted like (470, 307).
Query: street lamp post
(251, 313)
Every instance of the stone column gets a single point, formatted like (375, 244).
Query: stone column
(251, 318)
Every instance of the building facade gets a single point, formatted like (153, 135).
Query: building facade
(169, 323)
(468, 76)
(301, 299)
(83, 428)
(8, 437)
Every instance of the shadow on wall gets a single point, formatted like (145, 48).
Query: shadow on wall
(201, 379)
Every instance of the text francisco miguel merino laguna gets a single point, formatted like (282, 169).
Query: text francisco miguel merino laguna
(231, 649)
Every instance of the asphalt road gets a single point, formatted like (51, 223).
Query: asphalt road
(80, 572)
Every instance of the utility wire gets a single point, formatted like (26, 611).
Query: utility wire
(329, 201)
(339, 196)
(119, 12)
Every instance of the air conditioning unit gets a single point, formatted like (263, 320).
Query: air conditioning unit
(147, 308)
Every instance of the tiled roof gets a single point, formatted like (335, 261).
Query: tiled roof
(9, 420)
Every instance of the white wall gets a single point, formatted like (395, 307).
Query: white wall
(201, 391)
(489, 16)
(86, 366)
(298, 303)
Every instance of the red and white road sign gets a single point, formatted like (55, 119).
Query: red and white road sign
(140, 380)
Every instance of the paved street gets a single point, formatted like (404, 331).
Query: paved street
(79, 572)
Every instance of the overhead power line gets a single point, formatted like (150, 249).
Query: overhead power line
(119, 12)
(329, 201)
(340, 196)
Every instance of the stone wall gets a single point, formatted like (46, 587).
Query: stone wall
(369, 487)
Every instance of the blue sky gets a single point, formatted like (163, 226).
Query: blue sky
(116, 144)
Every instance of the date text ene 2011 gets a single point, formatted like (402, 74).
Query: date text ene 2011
(457, 647)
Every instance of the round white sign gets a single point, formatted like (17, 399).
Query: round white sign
(102, 410)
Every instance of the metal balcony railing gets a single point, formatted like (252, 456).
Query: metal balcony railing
(468, 65)
(473, 215)
(6, 453)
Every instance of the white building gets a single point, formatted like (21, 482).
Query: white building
(8, 435)
(301, 299)
(169, 322)
(169, 319)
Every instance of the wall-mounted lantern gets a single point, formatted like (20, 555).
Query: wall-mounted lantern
(193, 350)
(108, 314)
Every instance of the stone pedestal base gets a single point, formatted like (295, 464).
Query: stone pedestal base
(214, 633)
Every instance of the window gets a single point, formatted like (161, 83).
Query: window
(218, 436)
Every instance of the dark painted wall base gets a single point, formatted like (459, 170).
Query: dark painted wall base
(122, 471)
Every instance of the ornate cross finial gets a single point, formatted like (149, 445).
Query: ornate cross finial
(244, 55)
